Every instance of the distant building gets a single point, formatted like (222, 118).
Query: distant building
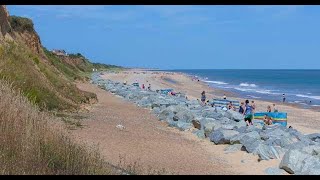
(59, 52)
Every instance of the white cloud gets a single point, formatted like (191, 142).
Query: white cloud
(164, 15)
(275, 11)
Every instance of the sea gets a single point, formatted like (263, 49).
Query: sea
(300, 87)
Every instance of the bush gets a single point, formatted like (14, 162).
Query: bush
(21, 24)
(36, 60)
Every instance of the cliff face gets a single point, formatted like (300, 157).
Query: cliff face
(4, 21)
(20, 29)
(32, 40)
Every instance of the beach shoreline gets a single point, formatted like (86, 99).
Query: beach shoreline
(232, 94)
(304, 120)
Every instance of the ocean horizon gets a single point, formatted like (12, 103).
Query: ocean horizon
(300, 86)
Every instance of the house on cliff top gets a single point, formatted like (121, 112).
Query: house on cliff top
(59, 52)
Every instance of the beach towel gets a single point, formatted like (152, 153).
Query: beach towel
(135, 84)
(165, 91)
(224, 103)
(277, 117)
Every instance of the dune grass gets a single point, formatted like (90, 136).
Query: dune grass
(30, 143)
(41, 82)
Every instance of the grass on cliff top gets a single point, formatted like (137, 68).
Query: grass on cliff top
(42, 83)
(21, 24)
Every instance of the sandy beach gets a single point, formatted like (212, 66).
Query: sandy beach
(152, 144)
(304, 120)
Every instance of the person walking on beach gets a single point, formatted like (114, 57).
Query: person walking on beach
(149, 87)
(248, 116)
(275, 109)
(143, 86)
(203, 97)
(224, 96)
(230, 105)
(283, 98)
(253, 106)
(269, 109)
(241, 108)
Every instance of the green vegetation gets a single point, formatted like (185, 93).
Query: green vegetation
(46, 79)
(101, 66)
(43, 84)
(32, 141)
(21, 24)
(70, 72)
(31, 144)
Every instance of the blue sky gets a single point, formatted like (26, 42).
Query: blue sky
(183, 37)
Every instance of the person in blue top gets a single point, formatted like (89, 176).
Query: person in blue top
(247, 112)
(203, 97)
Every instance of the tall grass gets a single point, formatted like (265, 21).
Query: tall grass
(31, 144)
(38, 80)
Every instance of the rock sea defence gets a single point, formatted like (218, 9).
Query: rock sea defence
(299, 153)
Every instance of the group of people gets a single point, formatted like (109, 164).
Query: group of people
(148, 88)
(246, 108)
(244, 105)
(275, 109)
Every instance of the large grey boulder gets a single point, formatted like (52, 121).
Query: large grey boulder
(314, 170)
(252, 128)
(172, 123)
(274, 171)
(241, 129)
(252, 134)
(224, 120)
(309, 163)
(312, 150)
(233, 148)
(210, 126)
(203, 121)
(183, 126)
(283, 142)
(166, 113)
(211, 114)
(250, 143)
(200, 134)
(228, 126)
(222, 136)
(220, 111)
(122, 92)
(144, 102)
(297, 145)
(156, 110)
(185, 116)
(266, 152)
(241, 124)
(129, 96)
(113, 90)
(275, 133)
(233, 115)
(292, 161)
(314, 136)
